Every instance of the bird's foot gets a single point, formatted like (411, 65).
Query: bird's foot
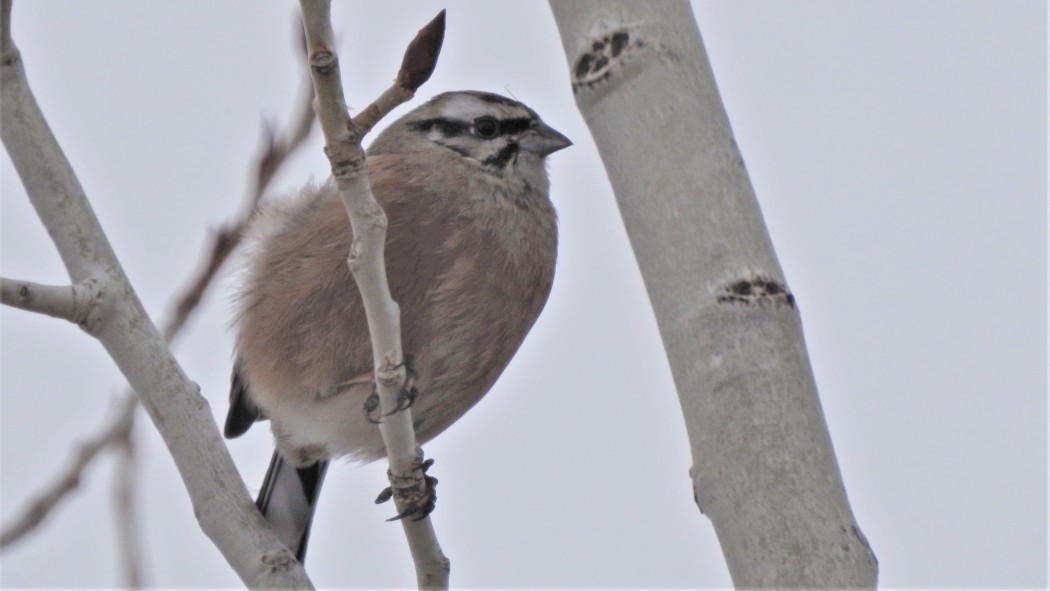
(406, 396)
(416, 498)
(372, 405)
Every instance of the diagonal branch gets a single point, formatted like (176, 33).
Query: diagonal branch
(75, 303)
(366, 260)
(118, 428)
(416, 67)
(273, 153)
(730, 326)
(174, 403)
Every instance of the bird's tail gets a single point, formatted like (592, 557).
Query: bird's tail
(288, 498)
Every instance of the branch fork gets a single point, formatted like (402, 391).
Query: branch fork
(366, 261)
(182, 417)
(78, 303)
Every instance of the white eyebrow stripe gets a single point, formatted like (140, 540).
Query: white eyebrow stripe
(466, 108)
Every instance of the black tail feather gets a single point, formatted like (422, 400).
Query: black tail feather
(288, 498)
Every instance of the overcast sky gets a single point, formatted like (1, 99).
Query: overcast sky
(899, 153)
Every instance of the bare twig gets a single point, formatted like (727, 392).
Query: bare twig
(74, 302)
(366, 258)
(125, 506)
(41, 505)
(416, 68)
(274, 152)
(220, 500)
(69, 302)
(117, 433)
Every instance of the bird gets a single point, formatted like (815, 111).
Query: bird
(471, 246)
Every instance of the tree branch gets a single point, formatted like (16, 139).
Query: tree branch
(69, 480)
(69, 302)
(116, 434)
(764, 470)
(182, 416)
(366, 260)
(273, 153)
(125, 505)
(57, 301)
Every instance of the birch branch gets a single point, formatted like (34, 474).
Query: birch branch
(182, 416)
(68, 302)
(343, 137)
(74, 302)
(764, 470)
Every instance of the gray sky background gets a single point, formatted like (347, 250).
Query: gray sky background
(899, 152)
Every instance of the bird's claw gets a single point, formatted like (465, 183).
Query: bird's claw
(372, 405)
(417, 501)
(406, 396)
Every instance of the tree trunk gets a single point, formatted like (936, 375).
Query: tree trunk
(764, 470)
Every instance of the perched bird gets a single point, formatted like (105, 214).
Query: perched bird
(470, 256)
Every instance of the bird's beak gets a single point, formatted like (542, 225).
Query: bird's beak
(543, 140)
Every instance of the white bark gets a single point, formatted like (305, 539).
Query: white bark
(367, 263)
(764, 470)
(181, 415)
(68, 302)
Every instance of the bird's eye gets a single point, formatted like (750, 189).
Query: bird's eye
(486, 127)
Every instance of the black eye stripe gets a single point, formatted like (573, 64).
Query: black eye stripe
(512, 126)
(452, 128)
(447, 127)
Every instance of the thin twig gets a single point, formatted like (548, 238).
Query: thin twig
(125, 508)
(366, 258)
(42, 504)
(73, 303)
(273, 154)
(220, 500)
